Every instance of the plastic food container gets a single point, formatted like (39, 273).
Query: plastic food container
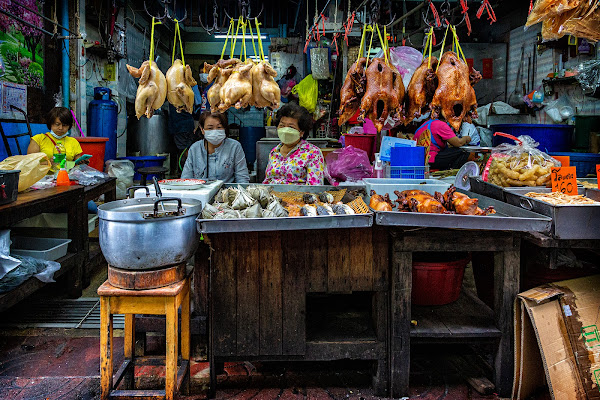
(49, 225)
(10, 180)
(48, 249)
(437, 283)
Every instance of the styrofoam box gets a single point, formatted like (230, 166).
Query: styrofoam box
(49, 249)
(49, 225)
(388, 185)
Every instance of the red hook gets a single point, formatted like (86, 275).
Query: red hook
(506, 135)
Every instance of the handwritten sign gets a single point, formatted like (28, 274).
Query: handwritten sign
(564, 179)
(13, 94)
(565, 161)
(598, 174)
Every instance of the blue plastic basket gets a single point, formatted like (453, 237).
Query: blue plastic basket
(550, 137)
(409, 172)
(585, 163)
(407, 156)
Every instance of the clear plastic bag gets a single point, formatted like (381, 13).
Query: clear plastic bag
(308, 93)
(123, 170)
(41, 269)
(86, 175)
(347, 164)
(319, 62)
(560, 109)
(33, 167)
(520, 164)
(589, 75)
(7, 263)
(406, 60)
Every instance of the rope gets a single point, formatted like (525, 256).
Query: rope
(177, 34)
(459, 51)
(260, 46)
(229, 32)
(428, 45)
(152, 41)
(237, 29)
(463, 4)
(442, 49)
(370, 44)
(361, 48)
(383, 44)
(252, 37)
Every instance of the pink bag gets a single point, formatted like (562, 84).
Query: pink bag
(347, 164)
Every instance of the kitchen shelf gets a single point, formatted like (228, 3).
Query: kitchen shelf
(466, 318)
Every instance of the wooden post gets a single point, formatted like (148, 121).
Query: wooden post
(129, 349)
(171, 359)
(106, 353)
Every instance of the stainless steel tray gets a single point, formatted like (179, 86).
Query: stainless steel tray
(288, 223)
(507, 218)
(487, 189)
(568, 221)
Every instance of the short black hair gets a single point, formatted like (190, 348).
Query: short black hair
(219, 116)
(300, 114)
(62, 113)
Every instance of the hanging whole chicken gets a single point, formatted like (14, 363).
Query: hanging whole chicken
(455, 97)
(237, 91)
(179, 87)
(265, 91)
(383, 93)
(219, 73)
(152, 88)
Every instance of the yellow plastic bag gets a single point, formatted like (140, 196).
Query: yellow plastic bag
(308, 93)
(33, 167)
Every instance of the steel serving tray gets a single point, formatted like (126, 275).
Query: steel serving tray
(568, 221)
(487, 189)
(286, 223)
(507, 218)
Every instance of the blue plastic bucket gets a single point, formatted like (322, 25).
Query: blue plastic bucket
(585, 163)
(550, 137)
(142, 162)
(407, 156)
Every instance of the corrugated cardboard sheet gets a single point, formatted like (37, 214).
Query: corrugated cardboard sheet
(557, 340)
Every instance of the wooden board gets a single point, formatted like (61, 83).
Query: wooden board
(224, 307)
(248, 307)
(338, 260)
(271, 323)
(381, 258)
(361, 260)
(317, 246)
(294, 293)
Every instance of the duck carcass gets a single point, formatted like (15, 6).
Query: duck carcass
(421, 89)
(454, 98)
(383, 93)
(352, 91)
(152, 88)
(179, 87)
(265, 91)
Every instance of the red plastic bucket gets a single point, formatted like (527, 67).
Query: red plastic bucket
(437, 283)
(95, 147)
(363, 142)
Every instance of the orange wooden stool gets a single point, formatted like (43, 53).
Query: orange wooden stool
(161, 301)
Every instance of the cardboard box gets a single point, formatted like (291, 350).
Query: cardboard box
(557, 340)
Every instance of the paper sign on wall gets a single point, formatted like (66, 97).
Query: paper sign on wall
(564, 179)
(487, 68)
(13, 94)
(565, 161)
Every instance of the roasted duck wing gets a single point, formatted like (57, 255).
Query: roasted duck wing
(352, 91)
(454, 98)
(380, 203)
(151, 91)
(421, 89)
(179, 87)
(383, 93)
(265, 90)
(237, 91)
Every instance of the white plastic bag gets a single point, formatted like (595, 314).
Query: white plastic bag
(123, 170)
(560, 109)
(319, 63)
(7, 263)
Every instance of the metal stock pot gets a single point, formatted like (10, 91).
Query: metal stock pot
(148, 233)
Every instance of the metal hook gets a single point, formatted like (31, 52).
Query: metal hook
(215, 27)
(172, 18)
(244, 6)
(155, 17)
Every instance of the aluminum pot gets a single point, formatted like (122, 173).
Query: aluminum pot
(148, 233)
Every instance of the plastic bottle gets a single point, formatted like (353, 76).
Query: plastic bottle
(63, 177)
(378, 169)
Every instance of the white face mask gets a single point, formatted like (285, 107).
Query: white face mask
(59, 137)
(215, 136)
(288, 135)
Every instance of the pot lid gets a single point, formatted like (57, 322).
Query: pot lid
(149, 209)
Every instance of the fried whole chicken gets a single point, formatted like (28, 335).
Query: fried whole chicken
(179, 87)
(219, 72)
(237, 91)
(454, 98)
(352, 91)
(383, 93)
(463, 204)
(265, 90)
(421, 89)
(380, 203)
(419, 201)
(152, 88)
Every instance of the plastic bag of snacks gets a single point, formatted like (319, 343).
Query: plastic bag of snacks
(520, 164)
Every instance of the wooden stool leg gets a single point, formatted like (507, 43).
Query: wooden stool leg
(400, 324)
(185, 341)
(129, 350)
(106, 348)
(172, 339)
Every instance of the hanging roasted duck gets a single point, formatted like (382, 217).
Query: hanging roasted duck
(237, 91)
(179, 87)
(219, 73)
(352, 91)
(383, 94)
(421, 89)
(151, 91)
(455, 97)
(265, 91)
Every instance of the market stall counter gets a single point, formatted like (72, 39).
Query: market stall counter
(288, 288)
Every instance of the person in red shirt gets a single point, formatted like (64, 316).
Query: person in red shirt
(444, 151)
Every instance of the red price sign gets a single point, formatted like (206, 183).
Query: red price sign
(564, 179)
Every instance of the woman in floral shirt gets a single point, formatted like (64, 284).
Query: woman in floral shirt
(294, 160)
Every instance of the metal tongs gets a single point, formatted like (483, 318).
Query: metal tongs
(158, 191)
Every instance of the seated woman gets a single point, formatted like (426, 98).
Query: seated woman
(294, 160)
(444, 151)
(216, 156)
(59, 120)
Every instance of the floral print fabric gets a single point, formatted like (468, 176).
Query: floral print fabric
(302, 166)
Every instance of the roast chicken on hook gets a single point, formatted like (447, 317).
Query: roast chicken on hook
(152, 88)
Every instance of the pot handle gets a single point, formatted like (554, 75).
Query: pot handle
(163, 199)
(128, 191)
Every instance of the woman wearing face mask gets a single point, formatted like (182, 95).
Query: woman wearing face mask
(59, 120)
(216, 156)
(294, 160)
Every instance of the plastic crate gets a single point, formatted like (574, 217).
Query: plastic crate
(48, 249)
(549, 137)
(585, 163)
(409, 172)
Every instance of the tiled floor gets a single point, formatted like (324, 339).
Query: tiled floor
(65, 367)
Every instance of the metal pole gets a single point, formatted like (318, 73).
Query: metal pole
(66, 89)
(408, 14)
(44, 17)
(25, 22)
